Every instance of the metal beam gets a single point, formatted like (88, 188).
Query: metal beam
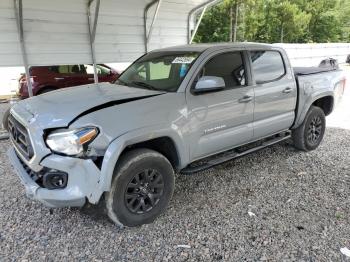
(148, 35)
(203, 6)
(18, 8)
(197, 24)
(92, 33)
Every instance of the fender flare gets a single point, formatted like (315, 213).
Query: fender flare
(308, 103)
(117, 146)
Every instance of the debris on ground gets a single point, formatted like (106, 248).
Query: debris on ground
(251, 214)
(183, 246)
(345, 251)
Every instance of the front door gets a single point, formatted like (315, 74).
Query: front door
(222, 119)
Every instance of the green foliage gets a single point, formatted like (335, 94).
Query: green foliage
(215, 22)
(298, 21)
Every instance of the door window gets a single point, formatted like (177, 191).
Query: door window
(101, 70)
(267, 66)
(71, 69)
(229, 66)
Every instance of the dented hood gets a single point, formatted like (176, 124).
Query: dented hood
(60, 108)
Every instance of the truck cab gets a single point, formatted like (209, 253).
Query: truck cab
(181, 109)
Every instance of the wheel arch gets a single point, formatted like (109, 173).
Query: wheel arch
(163, 145)
(326, 103)
(175, 151)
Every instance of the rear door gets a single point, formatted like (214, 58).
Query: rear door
(223, 119)
(275, 92)
(71, 75)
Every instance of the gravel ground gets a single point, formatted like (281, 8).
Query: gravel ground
(277, 204)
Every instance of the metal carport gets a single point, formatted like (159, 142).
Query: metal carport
(42, 32)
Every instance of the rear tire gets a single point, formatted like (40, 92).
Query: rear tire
(141, 189)
(309, 134)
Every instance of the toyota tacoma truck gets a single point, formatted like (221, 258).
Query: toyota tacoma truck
(181, 109)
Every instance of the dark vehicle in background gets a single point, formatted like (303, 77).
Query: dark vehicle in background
(48, 78)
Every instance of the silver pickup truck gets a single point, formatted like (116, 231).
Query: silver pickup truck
(181, 109)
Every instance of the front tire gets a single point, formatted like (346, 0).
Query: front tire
(309, 134)
(5, 119)
(141, 189)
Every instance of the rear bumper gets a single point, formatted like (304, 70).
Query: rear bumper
(83, 178)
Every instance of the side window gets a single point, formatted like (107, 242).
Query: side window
(63, 69)
(71, 69)
(267, 66)
(53, 69)
(229, 66)
(89, 69)
(101, 70)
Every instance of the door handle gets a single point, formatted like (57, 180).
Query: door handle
(245, 99)
(287, 90)
(59, 78)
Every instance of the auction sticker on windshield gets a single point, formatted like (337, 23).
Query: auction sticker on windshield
(183, 60)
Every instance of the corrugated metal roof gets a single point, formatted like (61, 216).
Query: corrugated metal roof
(56, 32)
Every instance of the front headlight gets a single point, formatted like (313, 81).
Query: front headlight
(71, 142)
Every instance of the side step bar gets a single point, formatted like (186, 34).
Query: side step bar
(233, 154)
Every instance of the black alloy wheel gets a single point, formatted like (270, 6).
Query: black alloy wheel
(142, 186)
(315, 130)
(310, 133)
(144, 191)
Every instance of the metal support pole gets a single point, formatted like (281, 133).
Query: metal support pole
(18, 8)
(236, 24)
(192, 12)
(198, 24)
(147, 35)
(92, 34)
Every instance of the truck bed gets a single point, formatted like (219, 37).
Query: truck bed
(299, 71)
(313, 82)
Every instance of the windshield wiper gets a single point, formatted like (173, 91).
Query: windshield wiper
(119, 81)
(143, 84)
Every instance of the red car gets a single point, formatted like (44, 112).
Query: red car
(48, 78)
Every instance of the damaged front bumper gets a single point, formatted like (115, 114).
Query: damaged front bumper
(82, 185)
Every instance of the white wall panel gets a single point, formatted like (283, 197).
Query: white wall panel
(56, 32)
(313, 54)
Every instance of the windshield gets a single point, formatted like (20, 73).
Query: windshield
(162, 71)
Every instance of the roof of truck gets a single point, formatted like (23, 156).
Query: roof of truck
(217, 46)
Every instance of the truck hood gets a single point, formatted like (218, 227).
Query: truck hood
(60, 108)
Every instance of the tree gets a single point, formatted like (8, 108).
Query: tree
(214, 26)
(296, 21)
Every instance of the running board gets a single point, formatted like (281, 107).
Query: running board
(233, 154)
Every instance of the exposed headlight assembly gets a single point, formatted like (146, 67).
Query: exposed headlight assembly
(71, 142)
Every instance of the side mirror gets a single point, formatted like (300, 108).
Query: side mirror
(209, 84)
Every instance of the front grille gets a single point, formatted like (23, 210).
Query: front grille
(20, 138)
(37, 177)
